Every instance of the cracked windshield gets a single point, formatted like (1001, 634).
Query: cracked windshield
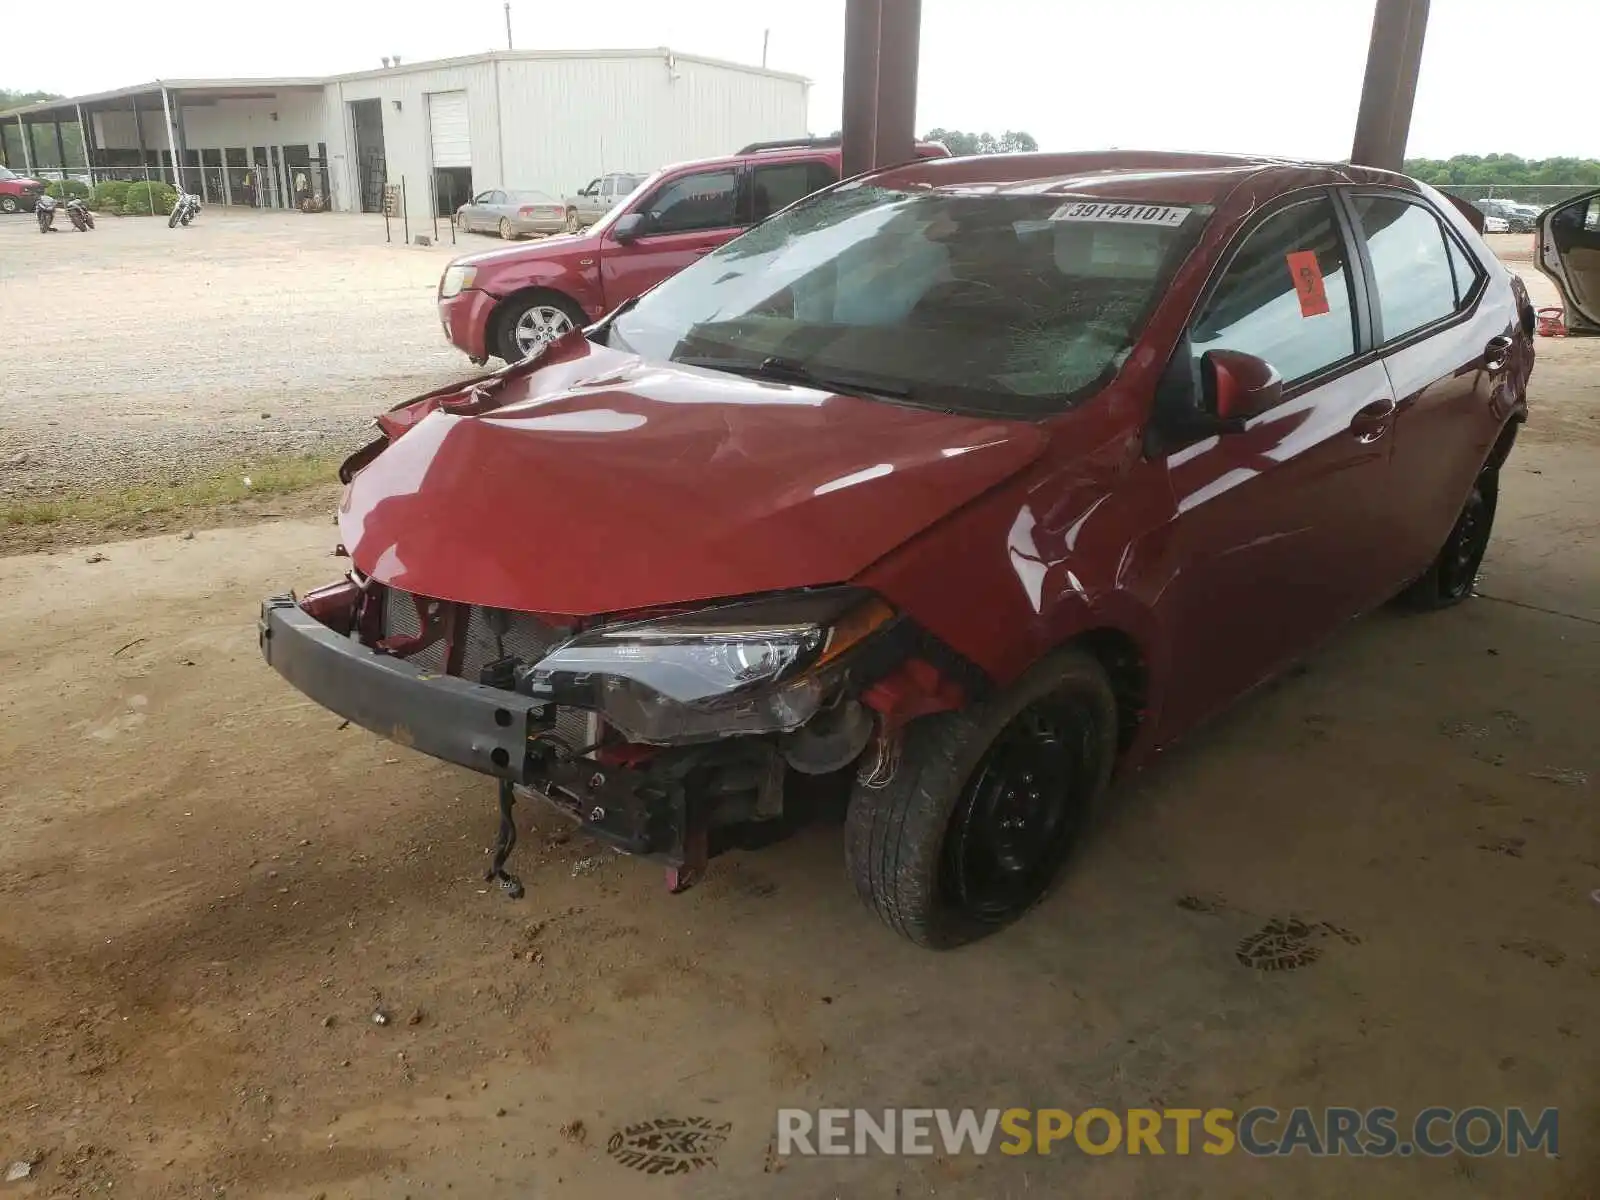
(1005, 304)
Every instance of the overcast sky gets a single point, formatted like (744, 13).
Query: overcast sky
(1269, 76)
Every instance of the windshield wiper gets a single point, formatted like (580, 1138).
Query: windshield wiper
(787, 370)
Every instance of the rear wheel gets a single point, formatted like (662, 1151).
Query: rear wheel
(506, 232)
(1451, 577)
(534, 321)
(986, 805)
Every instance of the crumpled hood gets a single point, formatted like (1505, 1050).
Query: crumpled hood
(603, 484)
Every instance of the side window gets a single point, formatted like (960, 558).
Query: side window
(704, 200)
(1410, 264)
(592, 188)
(1285, 295)
(778, 186)
(1465, 268)
(483, 198)
(821, 174)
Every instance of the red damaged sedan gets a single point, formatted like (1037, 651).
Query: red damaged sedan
(969, 482)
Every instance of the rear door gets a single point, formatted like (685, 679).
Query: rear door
(685, 216)
(772, 187)
(1449, 350)
(1275, 525)
(1569, 253)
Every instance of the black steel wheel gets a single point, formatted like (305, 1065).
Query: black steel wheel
(1020, 811)
(1451, 577)
(986, 804)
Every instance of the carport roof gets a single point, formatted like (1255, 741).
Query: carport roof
(220, 88)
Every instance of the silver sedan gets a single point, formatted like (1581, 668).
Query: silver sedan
(512, 214)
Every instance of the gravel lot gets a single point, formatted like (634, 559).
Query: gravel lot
(140, 353)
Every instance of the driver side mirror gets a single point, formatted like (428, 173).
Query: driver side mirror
(630, 226)
(1235, 386)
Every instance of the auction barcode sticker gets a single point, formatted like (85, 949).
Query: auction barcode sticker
(1126, 214)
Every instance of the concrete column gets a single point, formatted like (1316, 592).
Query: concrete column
(1394, 56)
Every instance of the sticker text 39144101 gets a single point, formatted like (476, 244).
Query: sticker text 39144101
(1118, 212)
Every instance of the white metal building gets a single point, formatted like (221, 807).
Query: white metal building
(546, 120)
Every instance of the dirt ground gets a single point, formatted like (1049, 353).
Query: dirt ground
(208, 889)
(138, 353)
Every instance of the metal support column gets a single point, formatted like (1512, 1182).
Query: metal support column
(1394, 56)
(861, 44)
(899, 40)
(61, 150)
(85, 137)
(172, 138)
(881, 44)
(27, 145)
(138, 133)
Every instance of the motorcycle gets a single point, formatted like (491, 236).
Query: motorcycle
(82, 218)
(185, 210)
(45, 211)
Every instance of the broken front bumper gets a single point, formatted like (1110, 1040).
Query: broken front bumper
(480, 727)
(644, 811)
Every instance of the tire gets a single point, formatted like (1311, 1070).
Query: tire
(913, 846)
(186, 218)
(574, 224)
(1449, 579)
(172, 221)
(507, 234)
(8, 204)
(506, 343)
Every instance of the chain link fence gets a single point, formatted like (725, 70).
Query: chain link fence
(1545, 195)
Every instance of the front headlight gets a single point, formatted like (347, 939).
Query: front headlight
(763, 666)
(455, 280)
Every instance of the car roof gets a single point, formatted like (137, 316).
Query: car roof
(1132, 174)
(822, 150)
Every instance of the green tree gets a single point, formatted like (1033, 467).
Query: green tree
(958, 143)
(10, 99)
(1503, 169)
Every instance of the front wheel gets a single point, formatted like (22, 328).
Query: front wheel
(574, 224)
(8, 204)
(533, 322)
(985, 805)
(172, 221)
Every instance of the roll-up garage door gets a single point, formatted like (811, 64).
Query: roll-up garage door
(447, 123)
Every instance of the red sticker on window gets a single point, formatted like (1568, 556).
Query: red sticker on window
(1307, 276)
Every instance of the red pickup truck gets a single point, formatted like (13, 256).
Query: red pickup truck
(508, 303)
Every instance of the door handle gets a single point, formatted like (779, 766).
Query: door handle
(1372, 421)
(705, 250)
(1497, 353)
